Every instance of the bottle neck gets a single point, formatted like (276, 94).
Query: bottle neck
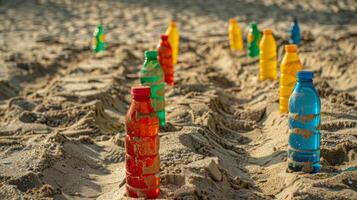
(164, 42)
(150, 59)
(292, 55)
(304, 81)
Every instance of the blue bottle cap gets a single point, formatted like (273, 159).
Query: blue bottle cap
(305, 75)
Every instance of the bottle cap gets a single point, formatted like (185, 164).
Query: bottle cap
(305, 75)
(291, 48)
(232, 20)
(267, 31)
(151, 54)
(164, 37)
(143, 91)
(253, 24)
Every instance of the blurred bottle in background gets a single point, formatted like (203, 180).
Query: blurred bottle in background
(174, 39)
(165, 59)
(295, 35)
(253, 41)
(304, 120)
(98, 44)
(267, 56)
(235, 36)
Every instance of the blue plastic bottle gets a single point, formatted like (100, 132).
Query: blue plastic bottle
(295, 36)
(304, 119)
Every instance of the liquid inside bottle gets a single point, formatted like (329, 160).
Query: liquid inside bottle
(304, 120)
(295, 35)
(142, 146)
(152, 75)
(98, 44)
(235, 37)
(290, 65)
(174, 39)
(267, 56)
(253, 41)
(165, 59)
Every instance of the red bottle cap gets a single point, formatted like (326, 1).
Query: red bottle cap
(143, 91)
(164, 37)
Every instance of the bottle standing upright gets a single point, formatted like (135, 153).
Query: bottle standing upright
(267, 56)
(304, 120)
(295, 35)
(165, 59)
(253, 41)
(289, 66)
(98, 44)
(235, 36)
(152, 75)
(174, 39)
(142, 146)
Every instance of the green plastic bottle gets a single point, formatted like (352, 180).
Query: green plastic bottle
(98, 44)
(152, 75)
(253, 41)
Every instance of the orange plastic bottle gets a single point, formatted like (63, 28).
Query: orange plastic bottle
(289, 66)
(267, 56)
(165, 59)
(142, 146)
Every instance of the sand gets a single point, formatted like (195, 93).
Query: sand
(62, 108)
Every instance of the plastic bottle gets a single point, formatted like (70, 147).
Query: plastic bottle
(152, 75)
(235, 36)
(267, 57)
(98, 44)
(253, 41)
(295, 35)
(174, 39)
(165, 59)
(304, 120)
(142, 146)
(289, 66)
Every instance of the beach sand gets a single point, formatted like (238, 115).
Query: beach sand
(62, 108)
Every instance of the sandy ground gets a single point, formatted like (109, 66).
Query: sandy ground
(61, 107)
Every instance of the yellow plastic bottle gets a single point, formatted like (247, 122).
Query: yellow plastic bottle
(235, 36)
(174, 40)
(289, 66)
(267, 56)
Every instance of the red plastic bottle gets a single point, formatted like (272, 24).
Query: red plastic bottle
(142, 146)
(165, 59)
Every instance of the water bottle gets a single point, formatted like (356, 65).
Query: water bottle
(174, 39)
(142, 159)
(290, 65)
(267, 56)
(164, 51)
(304, 120)
(295, 35)
(253, 41)
(235, 36)
(152, 75)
